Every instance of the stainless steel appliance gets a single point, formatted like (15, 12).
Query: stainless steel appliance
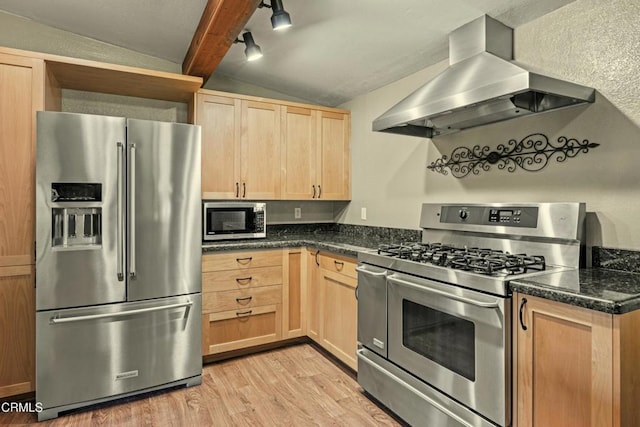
(233, 220)
(434, 317)
(482, 85)
(118, 258)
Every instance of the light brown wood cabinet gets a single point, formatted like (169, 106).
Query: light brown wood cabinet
(294, 293)
(315, 154)
(333, 306)
(240, 148)
(314, 306)
(254, 148)
(574, 366)
(17, 330)
(241, 300)
(21, 95)
(335, 159)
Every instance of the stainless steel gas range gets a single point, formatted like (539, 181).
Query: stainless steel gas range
(434, 317)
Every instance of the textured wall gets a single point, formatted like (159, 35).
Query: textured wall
(590, 42)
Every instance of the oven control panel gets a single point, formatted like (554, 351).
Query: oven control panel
(512, 216)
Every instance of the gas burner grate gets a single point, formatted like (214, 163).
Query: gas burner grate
(477, 260)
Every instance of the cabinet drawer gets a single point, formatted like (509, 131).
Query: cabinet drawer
(241, 300)
(339, 265)
(243, 278)
(229, 330)
(234, 260)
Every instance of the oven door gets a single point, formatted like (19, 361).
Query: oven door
(456, 340)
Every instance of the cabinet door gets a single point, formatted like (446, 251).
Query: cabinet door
(564, 365)
(21, 95)
(339, 316)
(294, 294)
(299, 180)
(334, 156)
(220, 120)
(260, 151)
(313, 296)
(17, 330)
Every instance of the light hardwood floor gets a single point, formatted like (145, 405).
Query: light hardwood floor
(291, 386)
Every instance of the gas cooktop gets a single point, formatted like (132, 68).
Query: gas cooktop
(484, 246)
(484, 270)
(486, 261)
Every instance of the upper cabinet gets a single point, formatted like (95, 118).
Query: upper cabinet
(240, 148)
(220, 119)
(334, 159)
(260, 151)
(316, 159)
(272, 150)
(22, 94)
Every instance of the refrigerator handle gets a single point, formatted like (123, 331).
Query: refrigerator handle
(120, 214)
(132, 210)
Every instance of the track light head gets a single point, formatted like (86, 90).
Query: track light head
(252, 51)
(280, 19)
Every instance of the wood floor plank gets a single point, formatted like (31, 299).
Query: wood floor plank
(291, 386)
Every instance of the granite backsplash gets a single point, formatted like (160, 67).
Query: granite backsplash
(361, 235)
(616, 259)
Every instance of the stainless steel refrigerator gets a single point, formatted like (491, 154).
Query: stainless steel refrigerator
(118, 258)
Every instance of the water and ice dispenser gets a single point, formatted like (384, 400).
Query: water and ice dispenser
(74, 225)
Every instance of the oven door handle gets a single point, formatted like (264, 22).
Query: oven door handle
(372, 273)
(483, 304)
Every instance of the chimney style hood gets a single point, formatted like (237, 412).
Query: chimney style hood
(481, 86)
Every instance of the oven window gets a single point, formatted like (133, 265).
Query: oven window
(447, 340)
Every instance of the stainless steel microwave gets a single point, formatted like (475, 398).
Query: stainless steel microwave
(233, 220)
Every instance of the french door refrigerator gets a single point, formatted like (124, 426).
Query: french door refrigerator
(118, 258)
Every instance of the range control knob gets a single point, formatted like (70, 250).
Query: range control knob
(463, 214)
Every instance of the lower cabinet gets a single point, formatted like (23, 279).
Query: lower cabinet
(333, 306)
(260, 297)
(574, 366)
(242, 300)
(17, 323)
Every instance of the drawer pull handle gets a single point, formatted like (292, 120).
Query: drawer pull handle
(243, 279)
(244, 299)
(247, 259)
(243, 313)
(339, 264)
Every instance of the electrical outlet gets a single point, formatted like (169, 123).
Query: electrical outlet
(363, 213)
(297, 213)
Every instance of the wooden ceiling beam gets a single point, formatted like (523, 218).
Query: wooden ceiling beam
(220, 24)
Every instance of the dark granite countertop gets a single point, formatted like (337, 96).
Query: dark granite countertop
(331, 242)
(600, 289)
(342, 239)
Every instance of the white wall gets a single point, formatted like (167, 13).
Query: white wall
(592, 42)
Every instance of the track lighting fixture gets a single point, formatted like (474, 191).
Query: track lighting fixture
(280, 19)
(252, 50)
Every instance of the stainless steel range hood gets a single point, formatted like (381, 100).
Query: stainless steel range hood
(481, 86)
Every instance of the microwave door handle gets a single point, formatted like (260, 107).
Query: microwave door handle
(120, 213)
(423, 288)
(132, 210)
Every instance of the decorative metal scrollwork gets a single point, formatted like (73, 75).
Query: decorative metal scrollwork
(532, 153)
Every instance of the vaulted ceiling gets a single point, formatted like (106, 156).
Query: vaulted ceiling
(335, 50)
